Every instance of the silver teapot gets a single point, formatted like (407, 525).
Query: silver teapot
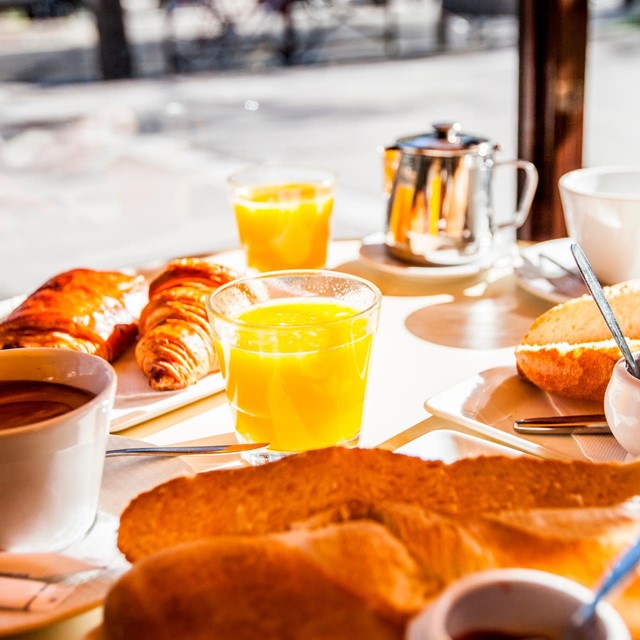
(440, 204)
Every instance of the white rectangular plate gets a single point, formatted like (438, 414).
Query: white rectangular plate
(136, 401)
(490, 401)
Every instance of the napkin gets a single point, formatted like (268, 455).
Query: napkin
(43, 566)
(41, 581)
(22, 594)
(597, 448)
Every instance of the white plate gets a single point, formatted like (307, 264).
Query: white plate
(123, 479)
(135, 400)
(448, 445)
(374, 254)
(492, 400)
(545, 280)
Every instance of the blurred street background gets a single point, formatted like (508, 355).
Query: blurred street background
(212, 90)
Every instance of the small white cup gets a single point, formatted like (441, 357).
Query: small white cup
(522, 602)
(51, 471)
(622, 407)
(602, 212)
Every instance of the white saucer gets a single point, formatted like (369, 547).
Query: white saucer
(375, 255)
(545, 280)
(124, 478)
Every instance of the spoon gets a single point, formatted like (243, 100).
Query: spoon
(182, 451)
(621, 568)
(605, 308)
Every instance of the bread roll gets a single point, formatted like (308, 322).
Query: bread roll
(569, 350)
(328, 485)
(352, 542)
(240, 588)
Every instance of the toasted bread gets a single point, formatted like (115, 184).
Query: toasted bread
(379, 534)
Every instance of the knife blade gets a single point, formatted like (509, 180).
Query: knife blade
(585, 424)
(182, 451)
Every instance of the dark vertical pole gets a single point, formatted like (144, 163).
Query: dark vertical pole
(113, 48)
(553, 42)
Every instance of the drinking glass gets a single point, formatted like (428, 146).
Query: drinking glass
(283, 213)
(294, 349)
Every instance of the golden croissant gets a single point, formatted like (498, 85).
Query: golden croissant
(175, 348)
(81, 309)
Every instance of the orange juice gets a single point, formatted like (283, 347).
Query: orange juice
(284, 226)
(296, 372)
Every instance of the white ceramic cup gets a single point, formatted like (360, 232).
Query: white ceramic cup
(524, 603)
(622, 407)
(602, 212)
(51, 471)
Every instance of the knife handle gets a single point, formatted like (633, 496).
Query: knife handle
(551, 425)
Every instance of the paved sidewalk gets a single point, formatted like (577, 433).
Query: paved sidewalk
(62, 50)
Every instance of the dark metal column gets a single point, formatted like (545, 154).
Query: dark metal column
(113, 48)
(553, 41)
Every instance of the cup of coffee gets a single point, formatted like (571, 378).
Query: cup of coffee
(601, 208)
(55, 407)
(514, 604)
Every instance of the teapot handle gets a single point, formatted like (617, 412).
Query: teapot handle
(528, 191)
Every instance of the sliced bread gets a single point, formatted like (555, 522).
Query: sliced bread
(350, 543)
(569, 350)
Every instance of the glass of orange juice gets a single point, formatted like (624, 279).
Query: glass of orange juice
(283, 213)
(294, 349)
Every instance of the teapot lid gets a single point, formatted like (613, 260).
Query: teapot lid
(446, 140)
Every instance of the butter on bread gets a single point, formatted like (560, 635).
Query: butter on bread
(569, 350)
(381, 534)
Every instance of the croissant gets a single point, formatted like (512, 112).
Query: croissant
(175, 348)
(81, 309)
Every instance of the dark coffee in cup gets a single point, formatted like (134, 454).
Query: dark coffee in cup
(25, 402)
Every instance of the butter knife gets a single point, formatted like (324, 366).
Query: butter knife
(183, 451)
(586, 424)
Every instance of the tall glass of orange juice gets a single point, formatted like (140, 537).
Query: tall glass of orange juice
(294, 349)
(283, 215)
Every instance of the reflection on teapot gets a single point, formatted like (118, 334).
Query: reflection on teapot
(440, 208)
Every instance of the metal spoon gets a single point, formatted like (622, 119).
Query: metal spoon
(605, 308)
(620, 570)
(182, 451)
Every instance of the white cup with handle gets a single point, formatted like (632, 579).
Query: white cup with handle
(55, 406)
(601, 208)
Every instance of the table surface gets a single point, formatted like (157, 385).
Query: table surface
(432, 335)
